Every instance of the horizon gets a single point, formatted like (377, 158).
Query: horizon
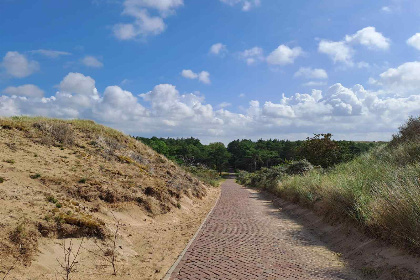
(243, 69)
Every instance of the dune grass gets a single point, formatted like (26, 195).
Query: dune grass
(378, 191)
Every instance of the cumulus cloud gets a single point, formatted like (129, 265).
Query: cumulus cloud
(337, 51)
(370, 38)
(218, 49)
(252, 55)
(50, 53)
(414, 41)
(351, 113)
(144, 23)
(342, 51)
(203, 76)
(91, 61)
(18, 66)
(404, 79)
(309, 73)
(247, 5)
(284, 55)
(25, 90)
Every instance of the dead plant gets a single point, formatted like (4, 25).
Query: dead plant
(69, 262)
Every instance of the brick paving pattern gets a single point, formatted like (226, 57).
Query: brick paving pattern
(247, 238)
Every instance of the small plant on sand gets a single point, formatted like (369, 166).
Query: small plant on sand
(7, 272)
(109, 251)
(11, 161)
(52, 199)
(2, 180)
(69, 262)
(35, 176)
(82, 180)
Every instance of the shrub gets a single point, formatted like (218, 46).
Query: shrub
(60, 132)
(409, 132)
(2, 180)
(300, 167)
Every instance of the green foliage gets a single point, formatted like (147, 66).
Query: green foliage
(246, 154)
(82, 180)
(218, 156)
(2, 180)
(207, 175)
(321, 150)
(52, 199)
(299, 168)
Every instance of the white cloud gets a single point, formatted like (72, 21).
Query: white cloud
(91, 61)
(189, 74)
(224, 105)
(218, 49)
(414, 41)
(404, 79)
(277, 110)
(246, 4)
(50, 53)
(342, 51)
(351, 113)
(203, 76)
(337, 51)
(370, 38)
(145, 24)
(252, 55)
(18, 66)
(314, 84)
(25, 90)
(284, 55)
(386, 9)
(310, 73)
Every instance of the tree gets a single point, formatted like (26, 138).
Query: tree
(218, 156)
(321, 150)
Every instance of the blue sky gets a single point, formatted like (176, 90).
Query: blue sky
(215, 69)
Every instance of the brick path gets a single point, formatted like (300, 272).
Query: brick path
(247, 238)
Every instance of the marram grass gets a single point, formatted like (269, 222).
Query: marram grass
(379, 191)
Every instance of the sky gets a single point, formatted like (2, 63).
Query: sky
(217, 70)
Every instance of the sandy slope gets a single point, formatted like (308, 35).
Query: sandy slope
(66, 180)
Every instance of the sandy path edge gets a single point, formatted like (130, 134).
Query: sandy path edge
(172, 268)
(372, 257)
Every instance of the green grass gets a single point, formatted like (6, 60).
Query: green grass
(378, 191)
(206, 175)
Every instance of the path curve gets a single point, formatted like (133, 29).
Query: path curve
(245, 237)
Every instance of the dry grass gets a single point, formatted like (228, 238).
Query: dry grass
(60, 176)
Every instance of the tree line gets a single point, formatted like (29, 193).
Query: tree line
(250, 155)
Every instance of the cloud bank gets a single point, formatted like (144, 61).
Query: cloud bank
(353, 113)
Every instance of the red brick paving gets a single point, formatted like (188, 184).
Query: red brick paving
(247, 238)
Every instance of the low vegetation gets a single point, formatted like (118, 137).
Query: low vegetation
(379, 191)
